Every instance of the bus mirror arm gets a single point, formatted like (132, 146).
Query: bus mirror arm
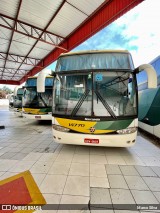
(53, 74)
(151, 73)
(57, 77)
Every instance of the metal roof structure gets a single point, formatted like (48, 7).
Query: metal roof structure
(33, 33)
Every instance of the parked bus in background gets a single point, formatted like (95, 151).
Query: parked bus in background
(17, 100)
(95, 98)
(11, 100)
(149, 104)
(37, 98)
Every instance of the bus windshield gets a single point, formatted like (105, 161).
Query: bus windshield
(96, 60)
(37, 100)
(95, 93)
(18, 98)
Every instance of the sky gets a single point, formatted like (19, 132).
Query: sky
(137, 31)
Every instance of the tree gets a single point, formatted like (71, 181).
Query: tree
(6, 89)
(2, 94)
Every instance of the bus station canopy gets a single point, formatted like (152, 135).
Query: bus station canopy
(33, 33)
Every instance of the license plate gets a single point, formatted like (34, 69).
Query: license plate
(87, 140)
(37, 116)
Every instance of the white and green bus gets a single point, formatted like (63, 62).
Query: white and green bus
(149, 103)
(95, 98)
(11, 101)
(37, 98)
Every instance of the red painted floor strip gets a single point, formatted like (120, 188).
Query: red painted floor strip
(14, 192)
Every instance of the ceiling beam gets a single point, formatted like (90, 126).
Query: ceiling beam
(11, 72)
(9, 45)
(11, 68)
(52, 18)
(11, 82)
(27, 27)
(7, 75)
(18, 59)
(31, 34)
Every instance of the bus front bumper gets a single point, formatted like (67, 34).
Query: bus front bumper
(110, 140)
(38, 117)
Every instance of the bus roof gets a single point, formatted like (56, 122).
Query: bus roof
(48, 76)
(32, 77)
(156, 59)
(94, 51)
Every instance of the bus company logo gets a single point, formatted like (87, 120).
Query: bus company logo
(76, 125)
(92, 129)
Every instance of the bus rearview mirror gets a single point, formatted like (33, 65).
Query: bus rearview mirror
(151, 74)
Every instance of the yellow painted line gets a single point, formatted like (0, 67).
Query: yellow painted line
(33, 111)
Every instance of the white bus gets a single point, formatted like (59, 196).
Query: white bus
(37, 98)
(95, 98)
(17, 100)
(11, 100)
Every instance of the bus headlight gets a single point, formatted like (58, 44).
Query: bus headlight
(60, 128)
(127, 131)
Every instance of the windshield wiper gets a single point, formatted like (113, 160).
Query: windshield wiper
(43, 100)
(35, 101)
(79, 103)
(105, 104)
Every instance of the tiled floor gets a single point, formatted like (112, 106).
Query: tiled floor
(69, 174)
